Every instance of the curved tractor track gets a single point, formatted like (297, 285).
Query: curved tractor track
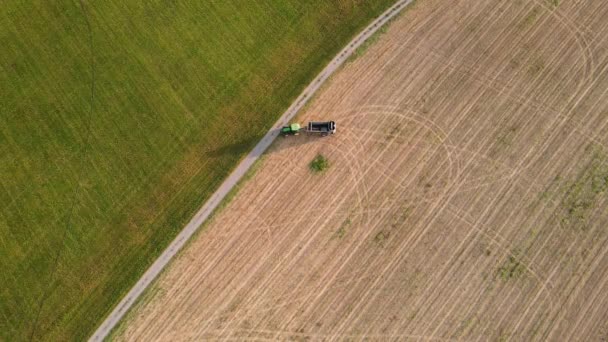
(466, 198)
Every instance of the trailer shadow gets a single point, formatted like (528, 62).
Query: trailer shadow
(291, 142)
(279, 144)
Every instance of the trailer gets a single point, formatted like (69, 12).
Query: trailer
(323, 128)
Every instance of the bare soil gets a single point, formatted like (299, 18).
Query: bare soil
(466, 196)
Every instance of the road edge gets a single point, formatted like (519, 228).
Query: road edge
(211, 204)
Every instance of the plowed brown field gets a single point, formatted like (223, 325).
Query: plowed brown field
(466, 197)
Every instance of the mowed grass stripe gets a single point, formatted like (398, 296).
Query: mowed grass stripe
(182, 91)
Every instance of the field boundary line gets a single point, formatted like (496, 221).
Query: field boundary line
(212, 203)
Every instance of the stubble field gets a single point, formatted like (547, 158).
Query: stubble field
(465, 197)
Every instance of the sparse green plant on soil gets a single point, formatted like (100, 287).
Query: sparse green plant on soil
(342, 230)
(503, 337)
(536, 67)
(530, 18)
(318, 164)
(393, 132)
(582, 194)
(511, 269)
(401, 218)
(599, 182)
(550, 191)
(465, 326)
(506, 138)
(381, 237)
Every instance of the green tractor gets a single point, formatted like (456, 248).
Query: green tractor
(293, 129)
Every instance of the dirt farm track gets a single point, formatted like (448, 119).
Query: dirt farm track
(466, 197)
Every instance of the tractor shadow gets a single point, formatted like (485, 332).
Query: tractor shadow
(240, 147)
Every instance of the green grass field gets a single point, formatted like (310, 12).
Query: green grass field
(118, 120)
